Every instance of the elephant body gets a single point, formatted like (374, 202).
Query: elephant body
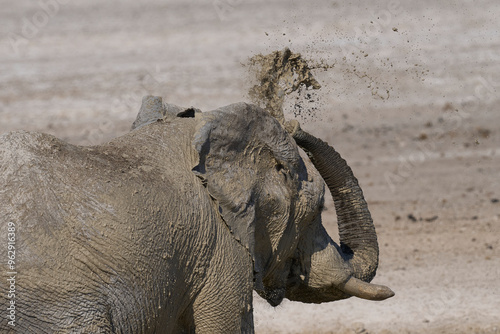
(166, 229)
(119, 238)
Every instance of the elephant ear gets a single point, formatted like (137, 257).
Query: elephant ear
(236, 144)
(153, 109)
(221, 140)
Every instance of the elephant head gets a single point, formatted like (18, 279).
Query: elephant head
(271, 199)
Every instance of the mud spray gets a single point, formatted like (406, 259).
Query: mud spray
(284, 83)
(278, 75)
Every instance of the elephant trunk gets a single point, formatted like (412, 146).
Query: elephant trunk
(358, 240)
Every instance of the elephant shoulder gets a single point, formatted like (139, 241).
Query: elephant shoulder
(24, 148)
(32, 162)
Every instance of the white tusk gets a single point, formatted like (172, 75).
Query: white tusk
(361, 289)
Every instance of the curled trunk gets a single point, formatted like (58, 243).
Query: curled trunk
(358, 239)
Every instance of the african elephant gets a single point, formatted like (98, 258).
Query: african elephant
(170, 227)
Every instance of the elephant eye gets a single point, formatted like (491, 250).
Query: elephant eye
(282, 170)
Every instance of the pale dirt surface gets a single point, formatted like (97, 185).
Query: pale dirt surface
(412, 102)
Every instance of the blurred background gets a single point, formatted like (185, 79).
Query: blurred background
(410, 98)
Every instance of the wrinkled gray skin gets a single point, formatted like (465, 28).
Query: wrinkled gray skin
(170, 227)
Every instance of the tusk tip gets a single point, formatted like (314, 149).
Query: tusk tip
(383, 293)
(358, 288)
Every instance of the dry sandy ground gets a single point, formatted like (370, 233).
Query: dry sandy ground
(412, 102)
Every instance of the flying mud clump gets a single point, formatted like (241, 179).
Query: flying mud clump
(279, 74)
